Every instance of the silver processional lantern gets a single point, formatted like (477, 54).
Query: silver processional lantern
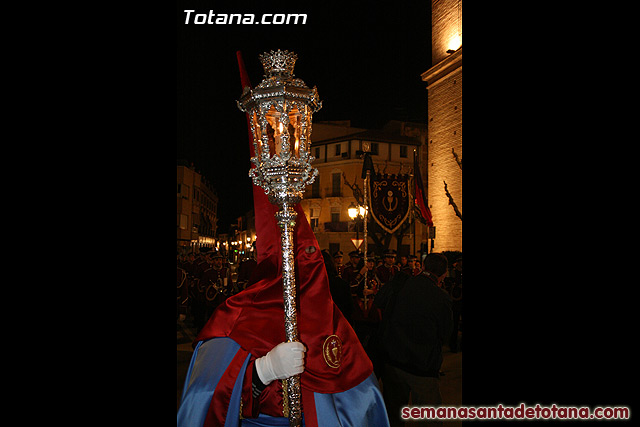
(280, 110)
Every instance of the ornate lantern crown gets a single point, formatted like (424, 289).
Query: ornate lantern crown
(280, 110)
(278, 63)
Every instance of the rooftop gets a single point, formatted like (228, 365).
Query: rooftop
(371, 135)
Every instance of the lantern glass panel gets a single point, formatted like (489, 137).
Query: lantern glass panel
(294, 131)
(257, 134)
(274, 130)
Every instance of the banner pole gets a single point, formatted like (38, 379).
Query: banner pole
(366, 213)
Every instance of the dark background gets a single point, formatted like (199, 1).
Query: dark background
(549, 296)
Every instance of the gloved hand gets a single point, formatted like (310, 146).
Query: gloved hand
(283, 361)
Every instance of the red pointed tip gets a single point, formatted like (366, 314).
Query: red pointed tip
(244, 77)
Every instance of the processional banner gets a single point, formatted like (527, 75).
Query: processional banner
(390, 200)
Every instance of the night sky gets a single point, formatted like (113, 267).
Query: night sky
(365, 61)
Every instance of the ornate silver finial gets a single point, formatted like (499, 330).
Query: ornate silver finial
(279, 63)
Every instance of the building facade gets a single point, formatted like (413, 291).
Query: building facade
(197, 210)
(238, 244)
(444, 124)
(337, 147)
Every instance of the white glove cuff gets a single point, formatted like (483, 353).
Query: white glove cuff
(263, 370)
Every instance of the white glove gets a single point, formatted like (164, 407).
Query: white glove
(283, 361)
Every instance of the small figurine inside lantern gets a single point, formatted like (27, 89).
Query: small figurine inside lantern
(275, 134)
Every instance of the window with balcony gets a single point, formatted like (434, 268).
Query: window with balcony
(314, 216)
(336, 184)
(335, 216)
(315, 188)
(185, 191)
(182, 221)
(336, 226)
(314, 224)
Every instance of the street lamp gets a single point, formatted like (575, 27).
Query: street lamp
(352, 210)
(280, 110)
(358, 212)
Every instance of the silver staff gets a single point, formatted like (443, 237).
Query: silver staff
(280, 110)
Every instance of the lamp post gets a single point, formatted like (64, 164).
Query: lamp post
(356, 212)
(280, 110)
(352, 211)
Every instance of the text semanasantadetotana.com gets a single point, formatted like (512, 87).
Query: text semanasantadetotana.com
(522, 412)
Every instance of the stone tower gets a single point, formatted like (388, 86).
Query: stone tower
(444, 121)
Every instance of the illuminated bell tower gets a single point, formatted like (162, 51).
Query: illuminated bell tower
(444, 124)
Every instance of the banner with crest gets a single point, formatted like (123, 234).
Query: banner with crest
(390, 200)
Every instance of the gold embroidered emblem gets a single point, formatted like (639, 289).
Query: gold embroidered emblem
(332, 351)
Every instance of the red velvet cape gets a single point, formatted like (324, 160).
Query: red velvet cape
(254, 318)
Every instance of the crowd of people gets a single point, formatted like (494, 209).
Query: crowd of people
(365, 280)
(402, 311)
(205, 280)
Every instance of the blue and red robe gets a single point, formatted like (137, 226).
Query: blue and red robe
(216, 383)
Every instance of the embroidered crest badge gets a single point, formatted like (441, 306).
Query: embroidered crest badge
(332, 351)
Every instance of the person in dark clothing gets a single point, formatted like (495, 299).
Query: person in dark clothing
(387, 270)
(420, 322)
(337, 260)
(199, 302)
(387, 296)
(245, 269)
(352, 267)
(339, 288)
(455, 291)
(385, 301)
